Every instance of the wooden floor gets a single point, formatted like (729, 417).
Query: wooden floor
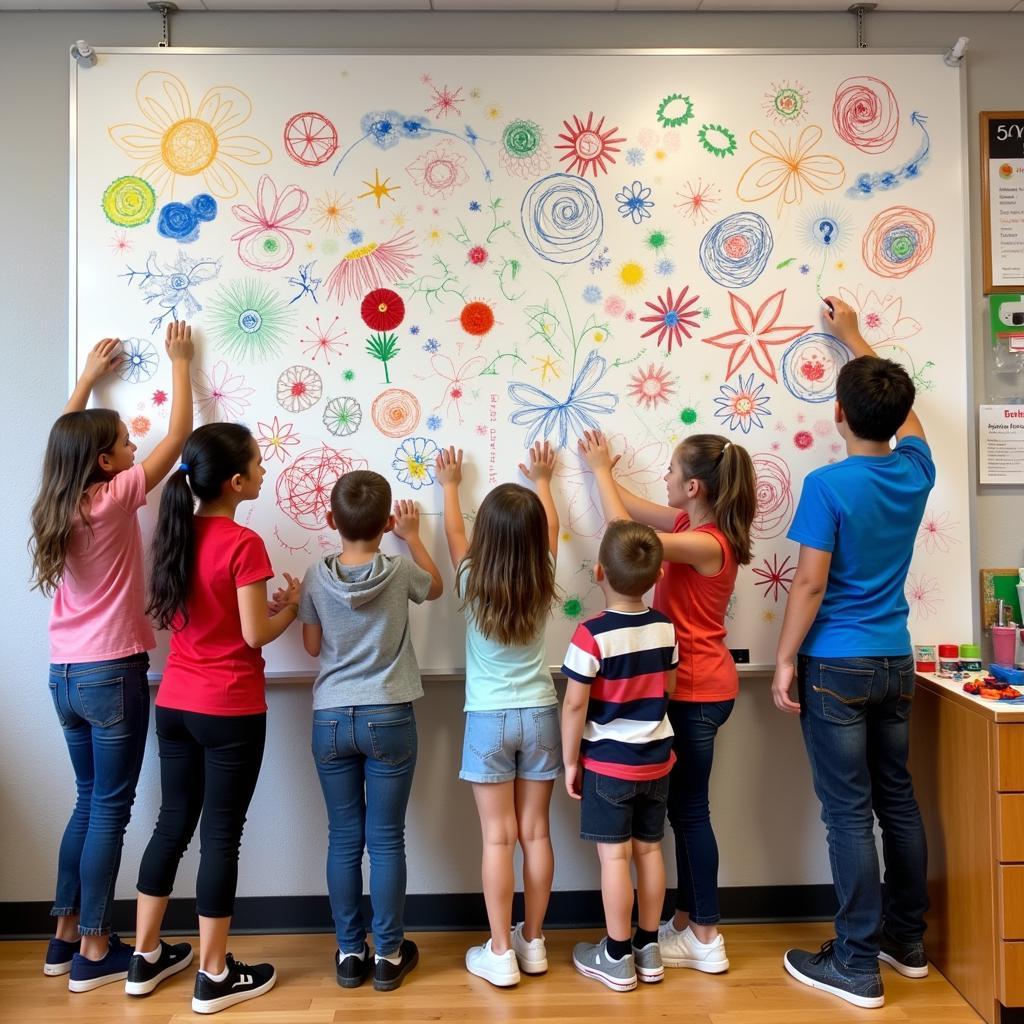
(755, 991)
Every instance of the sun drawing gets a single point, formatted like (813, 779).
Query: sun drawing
(587, 146)
(179, 140)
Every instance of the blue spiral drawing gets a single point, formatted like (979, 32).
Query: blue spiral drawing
(811, 365)
(736, 249)
(562, 218)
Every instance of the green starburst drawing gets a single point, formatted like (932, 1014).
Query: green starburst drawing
(248, 320)
(717, 140)
(656, 240)
(682, 107)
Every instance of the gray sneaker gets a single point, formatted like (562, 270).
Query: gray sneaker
(649, 967)
(594, 962)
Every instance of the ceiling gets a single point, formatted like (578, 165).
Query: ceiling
(923, 6)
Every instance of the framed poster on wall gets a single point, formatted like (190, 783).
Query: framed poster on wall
(1002, 199)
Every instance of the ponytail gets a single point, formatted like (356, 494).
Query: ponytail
(212, 455)
(727, 473)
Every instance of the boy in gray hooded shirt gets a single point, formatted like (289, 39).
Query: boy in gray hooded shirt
(355, 615)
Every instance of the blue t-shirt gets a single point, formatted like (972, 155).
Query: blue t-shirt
(866, 510)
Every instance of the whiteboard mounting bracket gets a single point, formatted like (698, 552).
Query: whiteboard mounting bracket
(166, 9)
(857, 10)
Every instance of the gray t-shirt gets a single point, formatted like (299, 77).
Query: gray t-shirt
(366, 656)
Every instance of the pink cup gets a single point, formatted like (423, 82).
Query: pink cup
(1003, 644)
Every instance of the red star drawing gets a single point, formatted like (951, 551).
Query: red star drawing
(446, 101)
(754, 332)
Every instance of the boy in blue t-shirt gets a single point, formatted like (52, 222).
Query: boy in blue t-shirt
(845, 639)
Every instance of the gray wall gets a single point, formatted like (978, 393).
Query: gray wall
(765, 812)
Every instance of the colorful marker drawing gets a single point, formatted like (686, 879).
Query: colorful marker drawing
(129, 201)
(342, 416)
(774, 496)
(717, 140)
(674, 111)
(310, 138)
(413, 463)
(305, 282)
(395, 412)
(635, 202)
(221, 394)
(866, 184)
(672, 318)
(455, 381)
(446, 101)
(249, 319)
(811, 365)
(139, 360)
(753, 332)
(898, 241)
(698, 200)
(651, 387)
(439, 172)
(562, 218)
(523, 153)
(304, 488)
(735, 250)
(789, 169)
(881, 317)
(323, 341)
(265, 243)
(299, 388)
(587, 147)
(274, 439)
(775, 576)
(936, 533)
(865, 114)
(372, 265)
(181, 221)
(435, 287)
(786, 102)
(742, 406)
(179, 141)
(924, 595)
(170, 286)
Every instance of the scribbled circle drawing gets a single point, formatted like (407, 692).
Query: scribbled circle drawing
(717, 140)
(178, 221)
(786, 102)
(562, 219)
(674, 111)
(898, 240)
(139, 360)
(477, 318)
(522, 152)
(811, 365)
(342, 416)
(299, 388)
(735, 250)
(774, 496)
(205, 206)
(129, 201)
(310, 138)
(865, 114)
(304, 488)
(395, 412)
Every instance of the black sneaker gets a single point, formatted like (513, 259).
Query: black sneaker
(906, 958)
(352, 970)
(821, 970)
(143, 976)
(244, 981)
(59, 955)
(388, 976)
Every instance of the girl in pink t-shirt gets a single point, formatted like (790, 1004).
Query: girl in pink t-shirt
(87, 552)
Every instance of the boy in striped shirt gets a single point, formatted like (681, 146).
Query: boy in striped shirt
(617, 748)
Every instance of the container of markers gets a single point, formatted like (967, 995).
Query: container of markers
(949, 660)
(970, 658)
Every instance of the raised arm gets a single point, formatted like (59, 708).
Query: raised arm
(448, 472)
(540, 471)
(842, 318)
(407, 527)
(104, 357)
(162, 458)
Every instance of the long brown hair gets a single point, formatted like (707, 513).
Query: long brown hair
(509, 576)
(727, 473)
(70, 465)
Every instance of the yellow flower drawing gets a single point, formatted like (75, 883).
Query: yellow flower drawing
(177, 140)
(788, 168)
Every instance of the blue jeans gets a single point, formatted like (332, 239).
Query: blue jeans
(695, 725)
(855, 715)
(365, 757)
(103, 708)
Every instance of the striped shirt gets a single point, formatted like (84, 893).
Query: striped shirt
(627, 659)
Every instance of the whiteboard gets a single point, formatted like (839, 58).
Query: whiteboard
(387, 252)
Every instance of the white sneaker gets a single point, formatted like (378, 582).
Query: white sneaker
(499, 969)
(532, 954)
(684, 949)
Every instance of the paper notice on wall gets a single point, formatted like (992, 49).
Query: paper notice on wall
(1001, 444)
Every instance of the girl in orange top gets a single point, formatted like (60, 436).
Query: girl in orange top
(705, 530)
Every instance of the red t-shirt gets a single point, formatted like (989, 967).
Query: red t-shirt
(210, 668)
(697, 605)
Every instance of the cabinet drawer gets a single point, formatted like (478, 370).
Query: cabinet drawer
(1011, 901)
(1010, 758)
(1011, 981)
(1010, 827)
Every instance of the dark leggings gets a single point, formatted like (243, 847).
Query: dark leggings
(208, 764)
(695, 726)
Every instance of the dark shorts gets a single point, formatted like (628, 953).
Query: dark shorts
(617, 810)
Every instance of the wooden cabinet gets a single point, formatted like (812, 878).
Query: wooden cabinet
(967, 759)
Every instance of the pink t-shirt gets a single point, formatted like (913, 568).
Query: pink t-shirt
(99, 608)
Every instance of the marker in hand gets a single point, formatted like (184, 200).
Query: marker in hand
(828, 305)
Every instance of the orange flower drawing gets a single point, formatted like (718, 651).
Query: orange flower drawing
(788, 168)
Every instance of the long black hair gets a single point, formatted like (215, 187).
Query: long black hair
(212, 455)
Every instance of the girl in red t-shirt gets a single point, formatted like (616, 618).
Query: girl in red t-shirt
(209, 585)
(705, 530)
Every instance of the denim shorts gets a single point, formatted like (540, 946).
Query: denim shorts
(617, 810)
(521, 743)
